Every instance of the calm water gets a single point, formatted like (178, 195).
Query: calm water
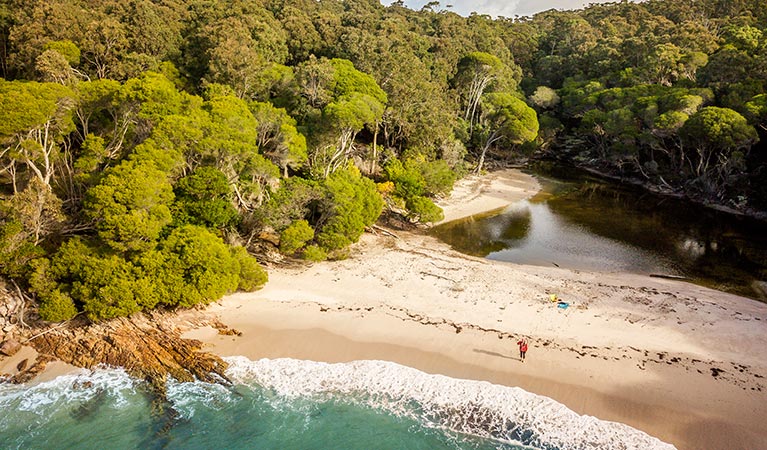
(289, 404)
(585, 223)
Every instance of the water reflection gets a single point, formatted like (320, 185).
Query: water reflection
(588, 224)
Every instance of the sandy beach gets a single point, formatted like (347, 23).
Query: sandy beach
(681, 362)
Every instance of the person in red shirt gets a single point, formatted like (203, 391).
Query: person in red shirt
(522, 348)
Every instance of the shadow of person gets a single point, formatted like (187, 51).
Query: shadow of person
(500, 355)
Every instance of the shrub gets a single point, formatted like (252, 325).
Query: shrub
(199, 267)
(57, 307)
(203, 199)
(315, 253)
(408, 181)
(438, 177)
(424, 210)
(295, 236)
(354, 203)
(252, 275)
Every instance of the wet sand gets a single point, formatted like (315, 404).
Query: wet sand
(681, 362)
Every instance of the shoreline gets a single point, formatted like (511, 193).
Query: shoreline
(681, 362)
(481, 194)
(589, 385)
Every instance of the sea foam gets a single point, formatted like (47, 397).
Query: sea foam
(506, 414)
(81, 386)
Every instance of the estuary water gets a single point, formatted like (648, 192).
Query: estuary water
(580, 222)
(290, 404)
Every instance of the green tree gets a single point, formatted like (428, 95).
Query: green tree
(477, 74)
(252, 275)
(203, 198)
(199, 267)
(348, 115)
(354, 203)
(130, 206)
(508, 119)
(295, 236)
(104, 284)
(720, 137)
(278, 137)
(38, 209)
(35, 118)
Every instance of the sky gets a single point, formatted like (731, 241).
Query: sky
(505, 8)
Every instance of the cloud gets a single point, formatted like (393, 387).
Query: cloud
(506, 8)
(490, 7)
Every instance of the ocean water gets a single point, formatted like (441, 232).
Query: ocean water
(290, 404)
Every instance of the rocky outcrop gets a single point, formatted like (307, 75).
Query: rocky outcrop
(147, 345)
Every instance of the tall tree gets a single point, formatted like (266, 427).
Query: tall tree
(505, 118)
(36, 119)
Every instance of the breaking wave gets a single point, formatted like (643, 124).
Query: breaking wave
(506, 414)
(290, 403)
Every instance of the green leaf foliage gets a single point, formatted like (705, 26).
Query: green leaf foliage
(17, 249)
(408, 180)
(517, 122)
(295, 236)
(57, 307)
(417, 178)
(718, 128)
(354, 204)
(131, 206)
(315, 253)
(26, 106)
(103, 284)
(252, 275)
(424, 210)
(67, 49)
(278, 137)
(203, 198)
(347, 80)
(199, 267)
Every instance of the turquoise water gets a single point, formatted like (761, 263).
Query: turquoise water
(288, 404)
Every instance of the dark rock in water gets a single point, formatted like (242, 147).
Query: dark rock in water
(88, 409)
(148, 346)
(10, 347)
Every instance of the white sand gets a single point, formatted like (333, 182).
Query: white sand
(477, 194)
(630, 348)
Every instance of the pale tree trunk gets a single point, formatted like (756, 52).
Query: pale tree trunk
(494, 137)
(43, 169)
(477, 87)
(114, 147)
(375, 151)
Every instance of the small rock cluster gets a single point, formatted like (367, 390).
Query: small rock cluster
(11, 307)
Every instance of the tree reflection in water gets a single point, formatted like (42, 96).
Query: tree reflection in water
(589, 224)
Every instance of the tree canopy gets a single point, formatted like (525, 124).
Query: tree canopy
(140, 138)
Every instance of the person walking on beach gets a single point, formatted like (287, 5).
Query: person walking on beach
(522, 348)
